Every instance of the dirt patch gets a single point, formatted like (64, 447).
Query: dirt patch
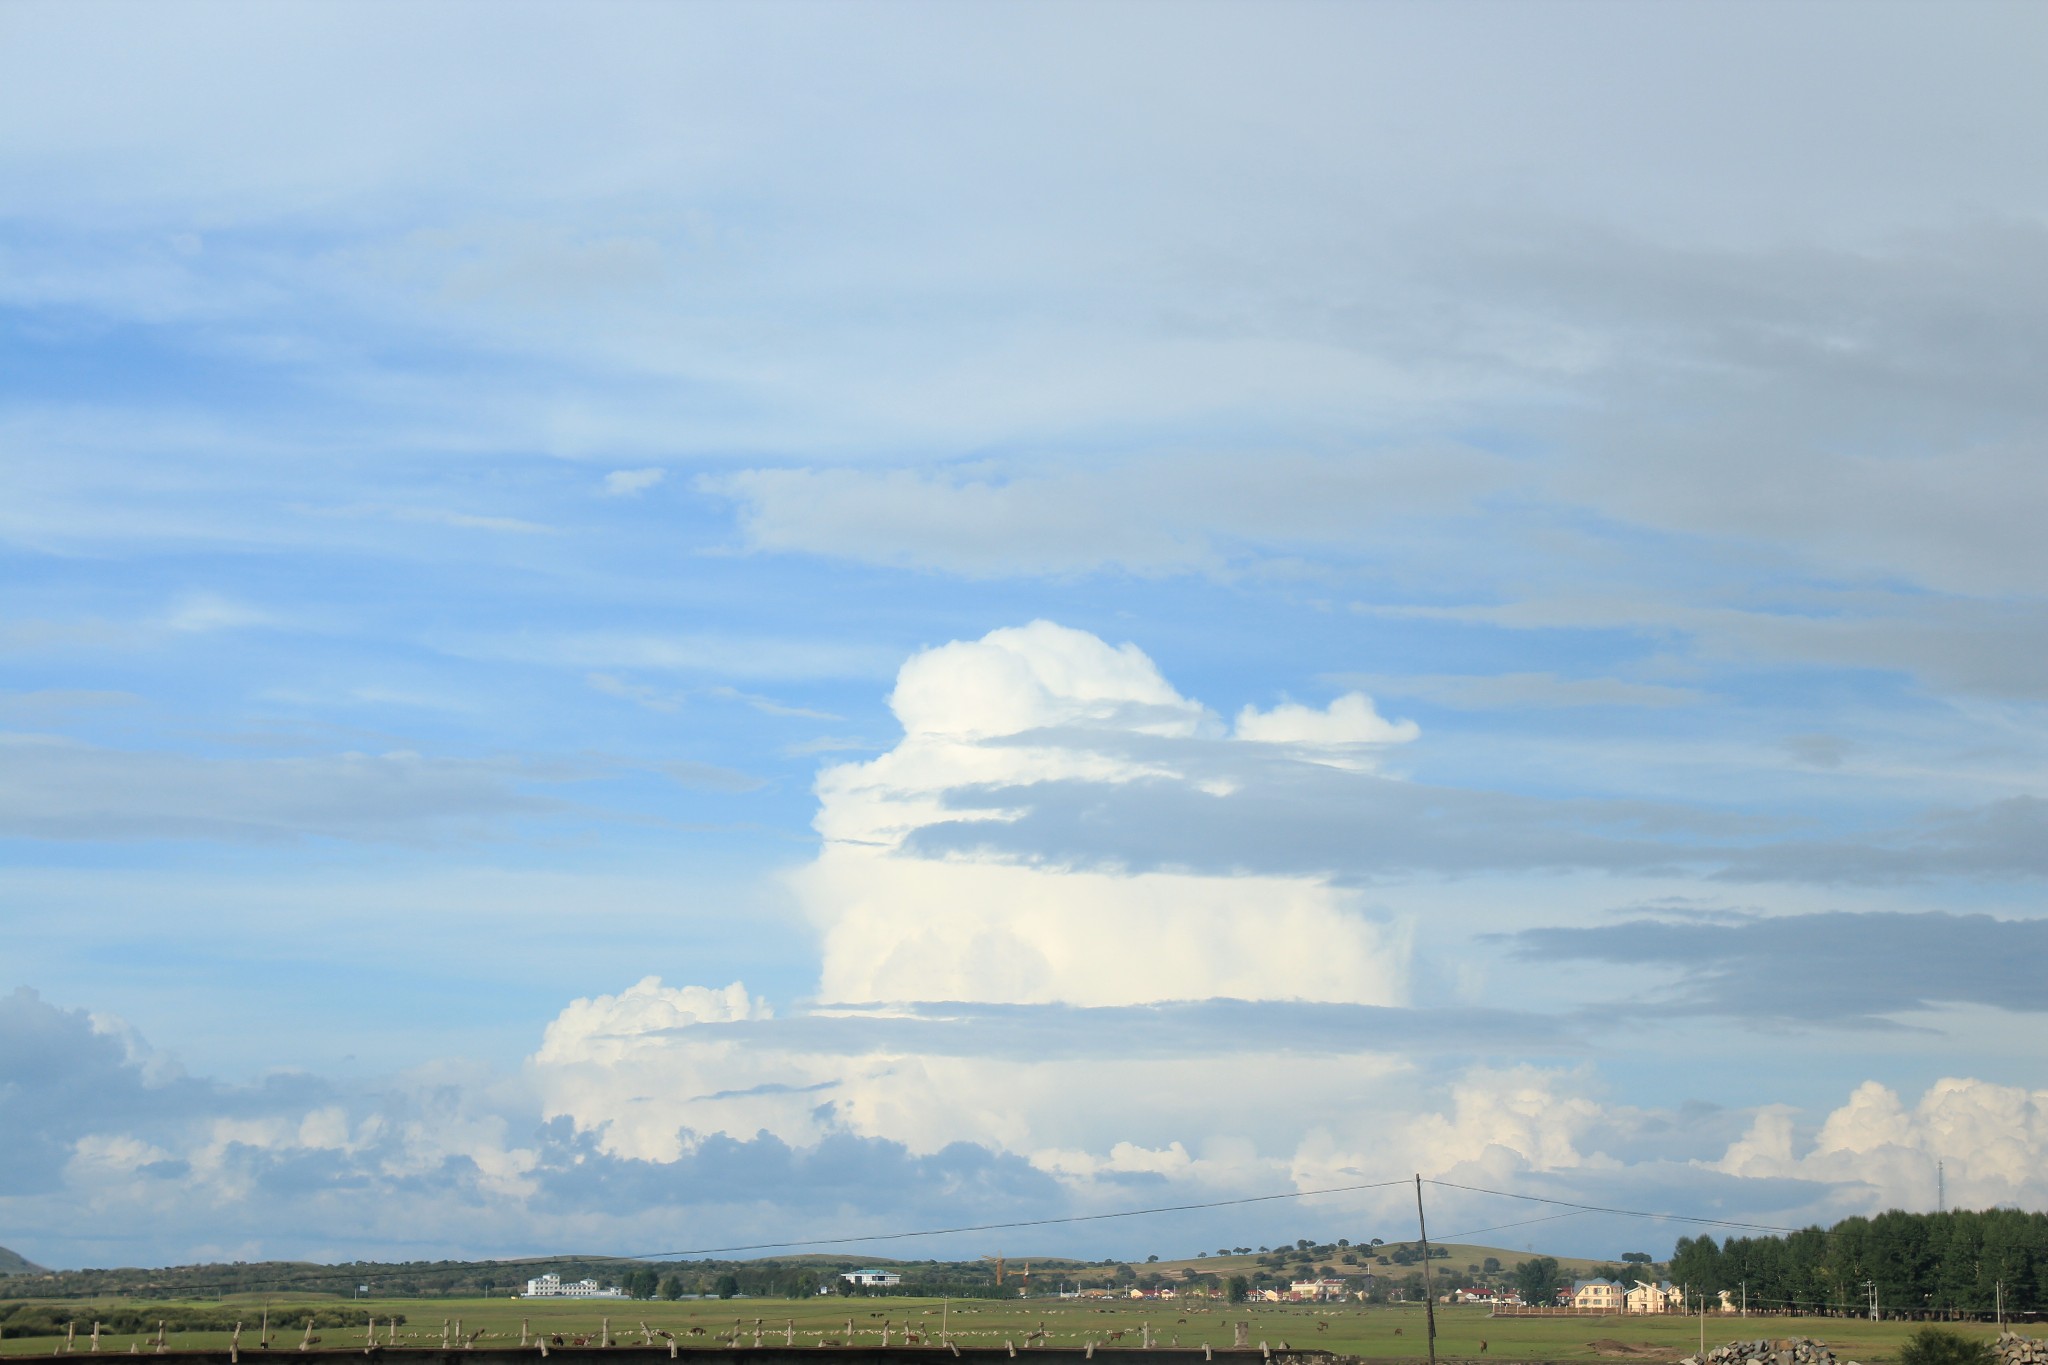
(1608, 1346)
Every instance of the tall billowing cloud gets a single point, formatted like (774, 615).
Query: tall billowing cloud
(1043, 712)
(1023, 715)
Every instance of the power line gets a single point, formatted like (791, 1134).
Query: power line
(345, 1275)
(1625, 1213)
(359, 1275)
(1499, 1227)
(999, 1227)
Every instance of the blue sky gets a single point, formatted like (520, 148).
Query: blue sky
(796, 620)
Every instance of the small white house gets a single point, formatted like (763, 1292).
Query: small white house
(872, 1279)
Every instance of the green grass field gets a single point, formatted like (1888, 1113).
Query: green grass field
(1385, 1332)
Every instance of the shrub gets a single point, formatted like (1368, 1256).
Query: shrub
(50, 1320)
(1939, 1346)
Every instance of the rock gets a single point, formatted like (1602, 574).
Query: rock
(2014, 1349)
(1790, 1351)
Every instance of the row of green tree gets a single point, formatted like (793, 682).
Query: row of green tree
(773, 1279)
(1538, 1279)
(53, 1320)
(1959, 1264)
(794, 1276)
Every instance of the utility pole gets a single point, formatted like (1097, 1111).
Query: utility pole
(1428, 1294)
(1745, 1298)
(1999, 1288)
(1871, 1285)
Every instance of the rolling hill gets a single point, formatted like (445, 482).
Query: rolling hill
(14, 1263)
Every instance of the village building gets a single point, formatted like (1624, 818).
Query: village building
(873, 1279)
(1662, 1297)
(1479, 1294)
(1599, 1296)
(552, 1286)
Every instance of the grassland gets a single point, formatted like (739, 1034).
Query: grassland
(1389, 1332)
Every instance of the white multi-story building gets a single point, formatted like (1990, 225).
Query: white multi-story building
(550, 1286)
(873, 1279)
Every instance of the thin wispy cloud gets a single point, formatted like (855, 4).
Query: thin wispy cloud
(631, 483)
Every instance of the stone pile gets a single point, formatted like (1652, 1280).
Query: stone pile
(1787, 1351)
(2014, 1349)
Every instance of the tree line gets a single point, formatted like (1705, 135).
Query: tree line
(793, 1277)
(51, 1320)
(1923, 1265)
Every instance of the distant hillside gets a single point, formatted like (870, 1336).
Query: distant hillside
(1452, 1261)
(1393, 1263)
(14, 1263)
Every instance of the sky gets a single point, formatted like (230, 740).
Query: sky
(639, 628)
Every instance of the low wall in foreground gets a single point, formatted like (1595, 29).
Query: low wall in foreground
(744, 1355)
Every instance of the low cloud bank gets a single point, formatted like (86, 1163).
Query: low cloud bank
(758, 1143)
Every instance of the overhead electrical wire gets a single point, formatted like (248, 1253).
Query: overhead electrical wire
(1573, 1210)
(345, 1276)
(1000, 1227)
(1625, 1213)
(1497, 1227)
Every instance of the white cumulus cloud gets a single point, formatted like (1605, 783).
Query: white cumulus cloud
(1023, 710)
(605, 1028)
(1029, 709)
(1991, 1139)
(1341, 734)
(627, 1066)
